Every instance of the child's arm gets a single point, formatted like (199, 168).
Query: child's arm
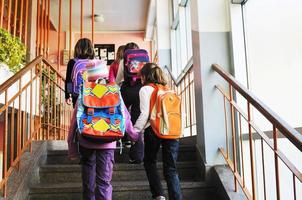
(144, 98)
(128, 124)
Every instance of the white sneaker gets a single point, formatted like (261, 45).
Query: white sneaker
(160, 198)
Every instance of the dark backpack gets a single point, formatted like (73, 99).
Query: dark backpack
(134, 60)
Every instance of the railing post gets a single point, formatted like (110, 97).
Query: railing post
(15, 17)
(9, 15)
(294, 185)
(1, 12)
(48, 28)
(38, 28)
(12, 134)
(5, 135)
(263, 169)
(43, 26)
(55, 106)
(241, 143)
(40, 95)
(19, 125)
(59, 33)
(190, 104)
(36, 103)
(26, 22)
(21, 20)
(233, 136)
(48, 100)
(226, 128)
(60, 111)
(275, 134)
(30, 111)
(251, 153)
(70, 28)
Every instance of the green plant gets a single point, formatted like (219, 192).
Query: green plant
(12, 51)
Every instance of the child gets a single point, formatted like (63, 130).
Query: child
(152, 74)
(97, 158)
(118, 63)
(81, 51)
(130, 94)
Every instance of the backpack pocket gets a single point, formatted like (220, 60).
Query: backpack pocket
(102, 126)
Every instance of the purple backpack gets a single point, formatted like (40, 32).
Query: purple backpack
(134, 60)
(77, 74)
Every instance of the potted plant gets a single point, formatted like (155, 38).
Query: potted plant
(12, 51)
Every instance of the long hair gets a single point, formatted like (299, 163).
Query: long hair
(152, 73)
(120, 52)
(84, 49)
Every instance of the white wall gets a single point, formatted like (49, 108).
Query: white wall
(212, 16)
(274, 54)
(274, 45)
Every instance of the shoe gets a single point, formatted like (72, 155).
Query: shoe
(135, 161)
(128, 144)
(160, 198)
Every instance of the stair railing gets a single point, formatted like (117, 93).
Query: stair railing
(235, 156)
(184, 86)
(32, 107)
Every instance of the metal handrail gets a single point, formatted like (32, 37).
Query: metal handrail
(184, 86)
(34, 112)
(294, 136)
(182, 75)
(236, 116)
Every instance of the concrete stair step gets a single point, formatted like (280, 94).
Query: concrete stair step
(121, 190)
(59, 156)
(121, 172)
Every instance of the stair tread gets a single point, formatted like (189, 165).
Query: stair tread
(116, 167)
(61, 151)
(117, 185)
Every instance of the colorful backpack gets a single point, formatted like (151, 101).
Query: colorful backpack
(134, 60)
(78, 74)
(100, 114)
(165, 112)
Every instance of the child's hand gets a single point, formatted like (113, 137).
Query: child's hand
(69, 101)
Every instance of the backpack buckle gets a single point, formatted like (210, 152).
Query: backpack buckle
(90, 111)
(111, 111)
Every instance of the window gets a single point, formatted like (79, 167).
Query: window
(181, 37)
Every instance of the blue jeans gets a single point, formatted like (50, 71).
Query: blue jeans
(170, 152)
(97, 166)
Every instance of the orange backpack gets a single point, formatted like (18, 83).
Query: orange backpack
(165, 112)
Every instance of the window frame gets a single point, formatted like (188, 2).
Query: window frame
(181, 37)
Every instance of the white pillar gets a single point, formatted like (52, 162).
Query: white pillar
(211, 44)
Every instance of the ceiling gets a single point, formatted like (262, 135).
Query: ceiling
(119, 15)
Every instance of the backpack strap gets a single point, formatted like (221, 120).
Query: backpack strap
(90, 113)
(153, 95)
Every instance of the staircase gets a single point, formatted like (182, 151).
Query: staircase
(60, 178)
